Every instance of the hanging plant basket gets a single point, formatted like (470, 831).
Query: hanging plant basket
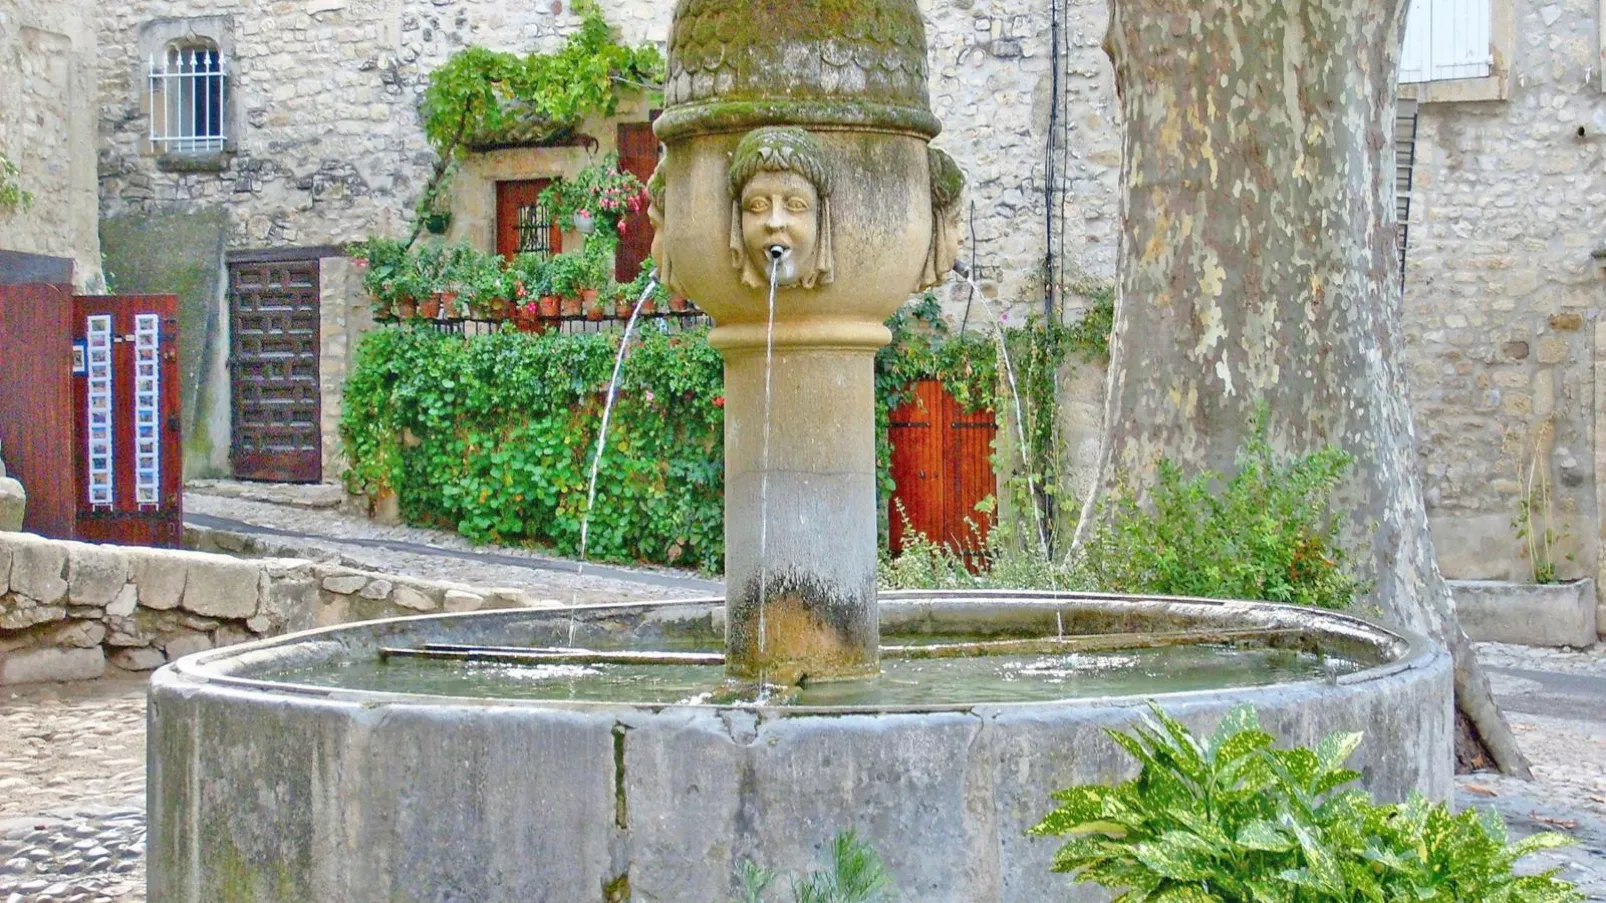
(437, 223)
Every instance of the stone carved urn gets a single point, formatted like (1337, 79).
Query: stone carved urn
(795, 136)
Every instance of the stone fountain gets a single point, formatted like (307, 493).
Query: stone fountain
(474, 758)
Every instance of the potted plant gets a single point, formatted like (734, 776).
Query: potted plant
(597, 270)
(483, 283)
(596, 309)
(528, 276)
(567, 274)
(384, 260)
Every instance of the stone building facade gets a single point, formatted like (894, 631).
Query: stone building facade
(1507, 203)
(47, 129)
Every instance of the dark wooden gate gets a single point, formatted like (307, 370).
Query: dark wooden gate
(524, 225)
(273, 369)
(638, 155)
(36, 401)
(129, 449)
(942, 464)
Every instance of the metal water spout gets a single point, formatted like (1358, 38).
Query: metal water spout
(796, 136)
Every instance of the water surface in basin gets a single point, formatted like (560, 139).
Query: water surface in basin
(945, 681)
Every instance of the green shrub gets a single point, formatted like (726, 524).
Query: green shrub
(494, 437)
(856, 875)
(1266, 533)
(1233, 820)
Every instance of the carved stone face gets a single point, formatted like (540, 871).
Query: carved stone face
(781, 216)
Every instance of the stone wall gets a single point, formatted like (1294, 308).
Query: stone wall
(1503, 300)
(70, 611)
(330, 146)
(47, 128)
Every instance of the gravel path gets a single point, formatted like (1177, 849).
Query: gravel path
(358, 542)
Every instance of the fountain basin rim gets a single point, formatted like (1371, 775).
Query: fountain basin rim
(1410, 651)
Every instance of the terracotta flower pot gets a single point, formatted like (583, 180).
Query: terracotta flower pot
(406, 308)
(499, 309)
(594, 313)
(550, 306)
(571, 306)
(448, 305)
(623, 309)
(649, 307)
(679, 303)
(430, 308)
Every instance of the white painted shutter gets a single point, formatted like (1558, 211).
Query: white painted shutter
(1446, 39)
(1416, 62)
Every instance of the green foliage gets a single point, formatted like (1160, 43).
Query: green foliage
(1535, 520)
(1267, 533)
(1233, 820)
(12, 195)
(482, 94)
(855, 875)
(494, 437)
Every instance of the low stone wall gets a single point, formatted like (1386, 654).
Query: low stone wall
(70, 611)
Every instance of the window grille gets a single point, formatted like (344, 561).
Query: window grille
(189, 99)
(534, 225)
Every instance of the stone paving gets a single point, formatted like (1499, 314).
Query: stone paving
(355, 541)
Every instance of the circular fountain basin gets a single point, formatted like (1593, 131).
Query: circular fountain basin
(281, 771)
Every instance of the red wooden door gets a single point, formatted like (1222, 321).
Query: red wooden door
(128, 455)
(36, 402)
(942, 464)
(273, 370)
(638, 155)
(523, 223)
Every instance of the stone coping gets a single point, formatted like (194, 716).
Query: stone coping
(1399, 651)
(68, 610)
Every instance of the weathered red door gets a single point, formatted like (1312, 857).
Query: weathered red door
(273, 370)
(638, 155)
(523, 223)
(36, 402)
(942, 464)
(128, 449)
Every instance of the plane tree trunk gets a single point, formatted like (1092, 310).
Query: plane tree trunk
(1258, 267)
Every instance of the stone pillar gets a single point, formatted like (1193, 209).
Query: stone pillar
(796, 152)
(817, 569)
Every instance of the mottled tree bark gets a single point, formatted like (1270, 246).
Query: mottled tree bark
(1258, 266)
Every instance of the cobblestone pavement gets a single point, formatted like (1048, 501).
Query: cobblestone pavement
(356, 541)
(72, 777)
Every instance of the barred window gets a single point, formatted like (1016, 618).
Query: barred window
(189, 99)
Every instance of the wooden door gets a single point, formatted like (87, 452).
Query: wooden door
(942, 464)
(638, 155)
(273, 370)
(36, 402)
(524, 225)
(128, 456)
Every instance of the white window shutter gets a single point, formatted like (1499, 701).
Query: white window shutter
(1446, 39)
(1416, 61)
(1460, 39)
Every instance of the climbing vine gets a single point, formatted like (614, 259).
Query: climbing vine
(481, 96)
(13, 196)
(493, 436)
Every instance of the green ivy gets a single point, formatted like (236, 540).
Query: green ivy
(481, 92)
(1230, 819)
(13, 196)
(493, 437)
